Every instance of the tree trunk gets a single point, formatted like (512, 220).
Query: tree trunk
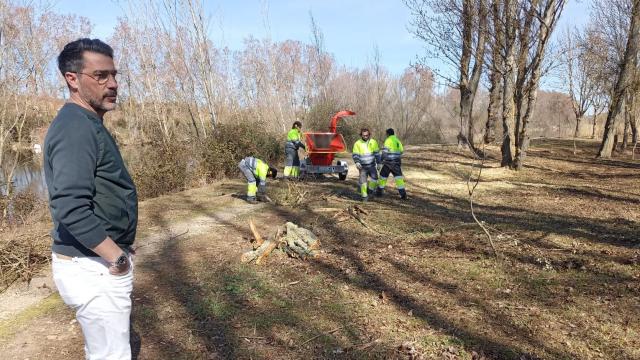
(631, 111)
(466, 106)
(578, 120)
(495, 98)
(493, 109)
(624, 76)
(625, 133)
(508, 105)
(469, 82)
(634, 129)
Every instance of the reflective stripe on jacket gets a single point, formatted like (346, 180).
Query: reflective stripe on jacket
(258, 167)
(366, 152)
(392, 149)
(294, 139)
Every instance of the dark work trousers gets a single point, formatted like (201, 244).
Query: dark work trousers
(394, 168)
(391, 167)
(292, 161)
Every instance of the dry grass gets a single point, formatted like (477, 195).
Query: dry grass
(419, 281)
(26, 248)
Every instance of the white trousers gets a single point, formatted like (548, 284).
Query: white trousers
(102, 302)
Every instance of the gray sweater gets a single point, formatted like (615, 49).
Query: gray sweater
(91, 195)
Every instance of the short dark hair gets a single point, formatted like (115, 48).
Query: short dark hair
(296, 123)
(364, 130)
(70, 58)
(390, 132)
(273, 172)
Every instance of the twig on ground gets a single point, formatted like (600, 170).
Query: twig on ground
(319, 335)
(178, 235)
(353, 212)
(471, 190)
(363, 346)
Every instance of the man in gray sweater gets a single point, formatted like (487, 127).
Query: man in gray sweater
(93, 203)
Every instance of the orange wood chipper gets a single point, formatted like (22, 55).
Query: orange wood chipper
(322, 148)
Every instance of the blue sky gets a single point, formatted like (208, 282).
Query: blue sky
(351, 28)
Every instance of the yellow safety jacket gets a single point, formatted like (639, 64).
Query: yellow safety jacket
(366, 152)
(294, 139)
(392, 149)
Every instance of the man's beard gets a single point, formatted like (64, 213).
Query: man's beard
(102, 104)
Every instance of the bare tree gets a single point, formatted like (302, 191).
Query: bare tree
(506, 33)
(627, 68)
(578, 73)
(546, 13)
(522, 30)
(495, 74)
(455, 30)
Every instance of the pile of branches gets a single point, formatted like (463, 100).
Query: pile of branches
(352, 212)
(21, 259)
(295, 241)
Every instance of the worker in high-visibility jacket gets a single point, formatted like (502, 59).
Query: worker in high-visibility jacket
(294, 142)
(254, 170)
(392, 163)
(366, 155)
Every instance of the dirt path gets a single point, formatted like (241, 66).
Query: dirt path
(46, 328)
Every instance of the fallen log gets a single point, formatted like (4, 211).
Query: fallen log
(256, 235)
(293, 240)
(249, 256)
(270, 247)
(302, 234)
(295, 251)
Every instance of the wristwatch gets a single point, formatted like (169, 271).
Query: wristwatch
(121, 264)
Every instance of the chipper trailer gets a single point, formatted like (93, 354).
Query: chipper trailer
(322, 148)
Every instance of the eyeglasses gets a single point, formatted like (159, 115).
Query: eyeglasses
(101, 76)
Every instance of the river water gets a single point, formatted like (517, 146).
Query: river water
(28, 176)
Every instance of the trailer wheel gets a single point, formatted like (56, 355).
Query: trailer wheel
(303, 169)
(343, 176)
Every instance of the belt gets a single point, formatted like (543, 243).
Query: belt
(67, 257)
(127, 251)
(63, 257)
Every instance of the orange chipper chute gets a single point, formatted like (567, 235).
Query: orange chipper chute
(322, 147)
(338, 116)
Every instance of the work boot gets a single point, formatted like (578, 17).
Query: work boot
(403, 194)
(365, 199)
(379, 191)
(252, 200)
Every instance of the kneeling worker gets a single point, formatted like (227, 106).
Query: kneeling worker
(253, 168)
(366, 154)
(391, 163)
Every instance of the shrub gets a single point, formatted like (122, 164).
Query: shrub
(230, 143)
(20, 206)
(161, 169)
